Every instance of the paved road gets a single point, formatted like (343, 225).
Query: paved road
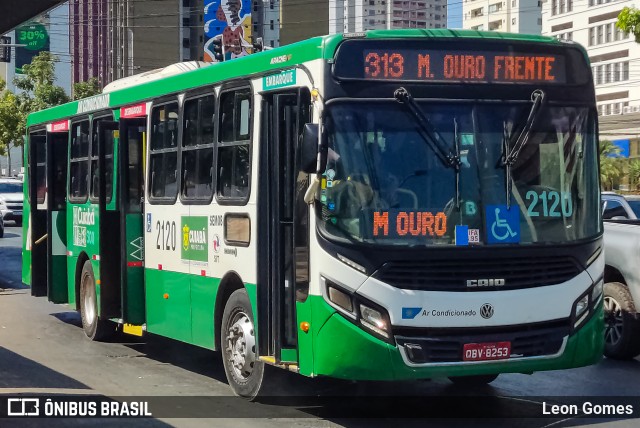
(43, 350)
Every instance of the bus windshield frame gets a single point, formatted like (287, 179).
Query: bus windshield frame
(550, 208)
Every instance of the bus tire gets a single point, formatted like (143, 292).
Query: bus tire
(622, 323)
(238, 346)
(477, 380)
(93, 326)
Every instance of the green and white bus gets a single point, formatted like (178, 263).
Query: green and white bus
(387, 205)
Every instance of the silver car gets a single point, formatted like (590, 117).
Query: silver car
(11, 200)
(620, 207)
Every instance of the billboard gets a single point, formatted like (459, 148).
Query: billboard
(35, 38)
(623, 145)
(232, 19)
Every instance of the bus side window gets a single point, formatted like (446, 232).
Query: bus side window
(234, 159)
(197, 148)
(164, 153)
(79, 162)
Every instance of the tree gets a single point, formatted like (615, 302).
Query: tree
(86, 89)
(611, 169)
(38, 89)
(634, 173)
(629, 21)
(37, 84)
(12, 122)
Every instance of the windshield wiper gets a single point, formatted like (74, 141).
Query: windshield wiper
(510, 155)
(431, 136)
(427, 131)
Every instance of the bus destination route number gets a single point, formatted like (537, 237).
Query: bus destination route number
(463, 67)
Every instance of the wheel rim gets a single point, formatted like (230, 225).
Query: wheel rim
(89, 304)
(241, 347)
(614, 322)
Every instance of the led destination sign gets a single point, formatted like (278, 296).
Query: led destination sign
(440, 61)
(463, 66)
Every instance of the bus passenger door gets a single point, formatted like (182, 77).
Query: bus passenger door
(56, 202)
(37, 230)
(109, 219)
(284, 260)
(131, 172)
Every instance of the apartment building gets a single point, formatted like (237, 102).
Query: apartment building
(513, 16)
(265, 20)
(346, 16)
(613, 54)
(111, 39)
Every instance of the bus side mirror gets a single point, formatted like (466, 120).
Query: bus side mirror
(308, 148)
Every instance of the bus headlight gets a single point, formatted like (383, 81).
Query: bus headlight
(374, 320)
(597, 292)
(581, 306)
(370, 316)
(340, 298)
(586, 303)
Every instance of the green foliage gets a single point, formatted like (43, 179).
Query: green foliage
(634, 173)
(38, 92)
(611, 166)
(12, 120)
(86, 89)
(629, 21)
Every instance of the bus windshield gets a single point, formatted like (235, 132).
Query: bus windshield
(385, 184)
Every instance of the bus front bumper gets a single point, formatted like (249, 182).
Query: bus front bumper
(344, 350)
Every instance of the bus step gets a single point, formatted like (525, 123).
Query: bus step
(135, 330)
(287, 366)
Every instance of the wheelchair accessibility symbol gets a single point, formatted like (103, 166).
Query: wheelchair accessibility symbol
(503, 225)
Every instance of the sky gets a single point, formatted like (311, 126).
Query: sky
(454, 13)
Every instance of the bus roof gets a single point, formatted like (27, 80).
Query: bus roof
(272, 59)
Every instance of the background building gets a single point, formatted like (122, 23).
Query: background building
(265, 19)
(302, 19)
(613, 55)
(346, 16)
(514, 16)
(111, 39)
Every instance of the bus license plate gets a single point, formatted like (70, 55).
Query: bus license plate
(486, 351)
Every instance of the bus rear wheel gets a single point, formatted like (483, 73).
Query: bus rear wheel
(477, 380)
(93, 326)
(238, 345)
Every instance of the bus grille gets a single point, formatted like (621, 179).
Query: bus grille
(445, 345)
(452, 275)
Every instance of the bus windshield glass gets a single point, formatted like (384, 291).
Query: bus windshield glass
(385, 183)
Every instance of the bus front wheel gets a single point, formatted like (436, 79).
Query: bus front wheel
(238, 345)
(93, 326)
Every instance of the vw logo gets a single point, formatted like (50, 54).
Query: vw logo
(486, 311)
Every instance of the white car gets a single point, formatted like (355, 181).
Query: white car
(11, 199)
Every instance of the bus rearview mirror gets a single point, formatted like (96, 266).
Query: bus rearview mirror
(308, 148)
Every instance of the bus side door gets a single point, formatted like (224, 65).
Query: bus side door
(283, 262)
(131, 150)
(57, 156)
(109, 226)
(37, 228)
